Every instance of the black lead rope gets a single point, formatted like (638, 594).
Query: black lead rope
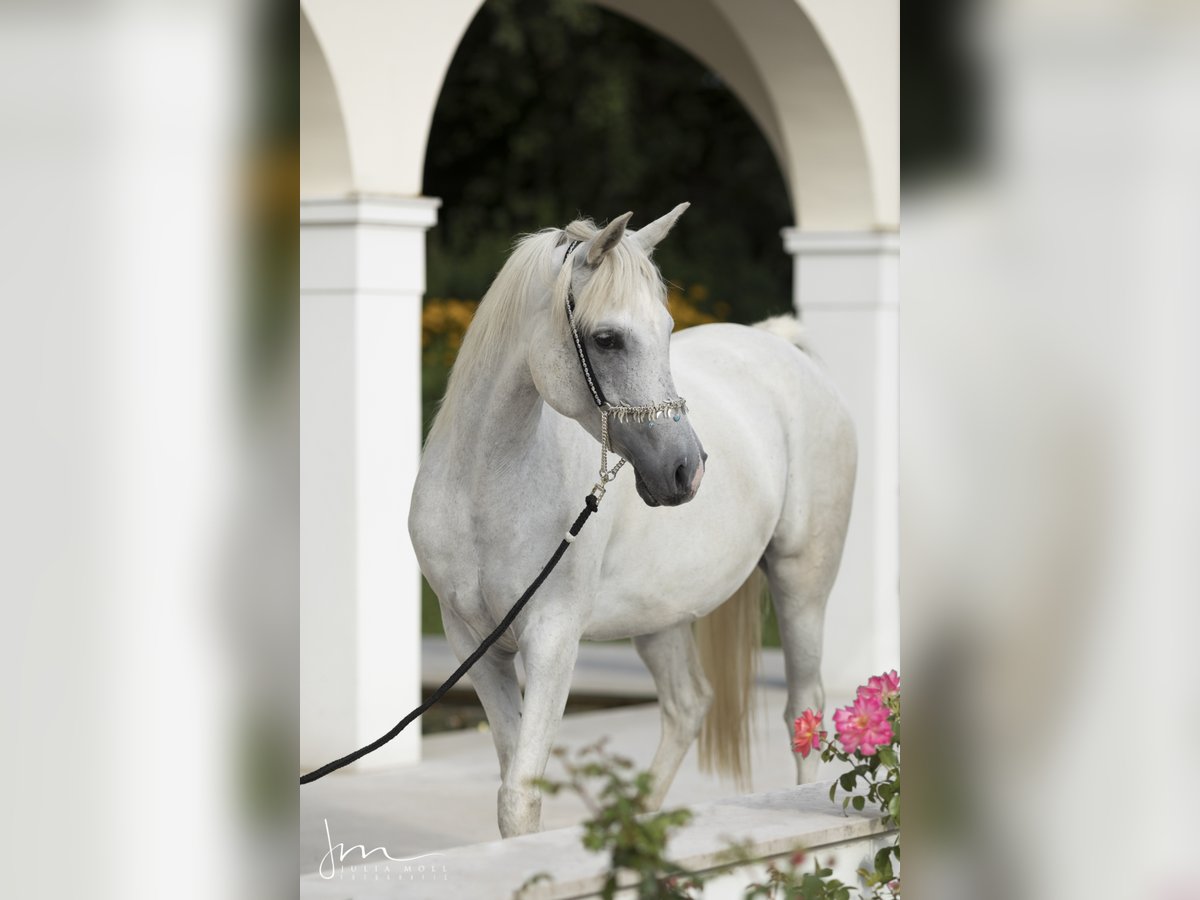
(591, 504)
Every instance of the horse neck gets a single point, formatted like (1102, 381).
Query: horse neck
(498, 414)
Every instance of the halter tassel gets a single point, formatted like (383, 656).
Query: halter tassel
(646, 413)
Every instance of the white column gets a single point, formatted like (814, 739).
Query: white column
(362, 276)
(846, 291)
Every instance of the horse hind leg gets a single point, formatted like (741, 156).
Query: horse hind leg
(684, 696)
(800, 585)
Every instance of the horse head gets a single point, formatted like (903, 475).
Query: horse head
(604, 358)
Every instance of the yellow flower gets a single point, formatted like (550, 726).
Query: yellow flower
(685, 313)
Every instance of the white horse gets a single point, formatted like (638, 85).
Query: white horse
(513, 452)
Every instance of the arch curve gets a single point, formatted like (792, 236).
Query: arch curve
(325, 168)
(819, 77)
(772, 56)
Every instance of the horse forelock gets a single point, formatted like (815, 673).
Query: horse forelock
(625, 277)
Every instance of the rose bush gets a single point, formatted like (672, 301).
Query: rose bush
(868, 730)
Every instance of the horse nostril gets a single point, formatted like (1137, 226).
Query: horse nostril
(683, 479)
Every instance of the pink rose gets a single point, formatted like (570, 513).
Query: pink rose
(883, 686)
(807, 736)
(863, 725)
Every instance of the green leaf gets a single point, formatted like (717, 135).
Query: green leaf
(859, 802)
(531, 881)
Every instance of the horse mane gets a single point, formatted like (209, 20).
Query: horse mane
(532, 276)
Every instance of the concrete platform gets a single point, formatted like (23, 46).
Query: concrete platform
(449, 798)
(764, 826)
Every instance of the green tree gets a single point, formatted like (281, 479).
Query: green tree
(555, 108)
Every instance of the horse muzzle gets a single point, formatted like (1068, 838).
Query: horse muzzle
(678, 485)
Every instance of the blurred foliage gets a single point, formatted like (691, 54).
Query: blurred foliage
(269, 218)
(268, 224)
(942, 90)
(553, 109)
(622, 825)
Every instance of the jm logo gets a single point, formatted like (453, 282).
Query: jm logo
(339, 852)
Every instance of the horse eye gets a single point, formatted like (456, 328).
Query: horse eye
(606, 340)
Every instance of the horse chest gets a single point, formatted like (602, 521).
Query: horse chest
(480, 545)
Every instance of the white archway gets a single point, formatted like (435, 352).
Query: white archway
(325, 169)
(820, 78)
(803, 92)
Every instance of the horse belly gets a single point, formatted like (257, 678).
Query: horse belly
(626, 608)
(667, 566)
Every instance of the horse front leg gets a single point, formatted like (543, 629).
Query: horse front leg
(495, 681)
(549, 652)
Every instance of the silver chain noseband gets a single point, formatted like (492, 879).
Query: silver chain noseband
(675, 408)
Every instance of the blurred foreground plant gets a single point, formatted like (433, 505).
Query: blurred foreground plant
(636, 842)
(790, 882)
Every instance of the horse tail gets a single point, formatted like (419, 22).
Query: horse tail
(729, 639)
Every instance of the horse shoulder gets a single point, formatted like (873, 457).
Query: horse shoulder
(435, 523)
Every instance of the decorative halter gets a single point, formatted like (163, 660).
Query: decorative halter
(675, 408)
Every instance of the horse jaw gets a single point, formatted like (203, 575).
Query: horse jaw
(643, 491)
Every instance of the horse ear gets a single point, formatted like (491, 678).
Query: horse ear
(607, 239)
(649, 236)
